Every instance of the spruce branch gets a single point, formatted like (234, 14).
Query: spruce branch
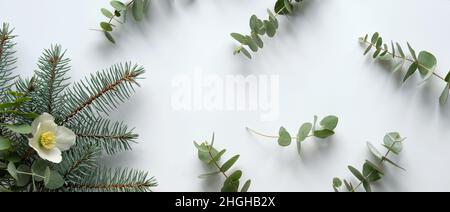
(112, 137)
(118, 180)
(51, 79)
(102, 92)
(79, 162)
(7, 59)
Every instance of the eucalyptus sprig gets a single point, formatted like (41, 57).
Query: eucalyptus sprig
(373, 172)
(208, 154)
(138, 9)
(260, 28)
(307, 130)
(425, 62)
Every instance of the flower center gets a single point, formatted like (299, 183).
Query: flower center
(48, 140)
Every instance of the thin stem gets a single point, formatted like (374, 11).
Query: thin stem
(269, 136)
(31, 174)
(260, 134)
(407, 59)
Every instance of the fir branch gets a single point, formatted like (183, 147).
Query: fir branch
(7, 59)
(102, 92)
(119, 180)
(79, 162)
(112, 137)
(51, 80)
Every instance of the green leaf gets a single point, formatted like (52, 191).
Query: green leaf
(394, 141)
(246, 53)
(240, 38)
(374, 151)
(368, 50)
(230, 186)
(227, 165)
(12, 170)
(20, 129)
(118, 5)
(254, 23)
(138, 10)
(39, 167)
(337, 183)
(273, 19)
(5, 144)
(299, 148)
(303, 132)
(412, 51)
(203, 176)
(371, 172)
(285, 138)
(251, 44)
(379, 43)
(107, 27)
(257, 40)
(444, 96)
(427, 64)
(217, 157)
(246, 186)
(393, 49)
(348, 186)
(23, 179)
(325, 133)
(447, 78)
(288, 6)
(280, 8)
(329, 122)
(400, 51)
(53, 180)
(13, 157)
(356, 173)
(110, 37)
(375, 37)
(392, 163)
(412, 69)
(367, 186)
(107, 13)
(376, 53)
(270, 28)
(202, 148)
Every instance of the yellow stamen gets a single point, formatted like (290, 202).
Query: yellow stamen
(48, 140)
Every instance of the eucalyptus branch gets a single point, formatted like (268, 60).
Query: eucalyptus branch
(307, 130)
(138, 9)
(211, 156)
(424, 62)
(260, 28)
(372, 172)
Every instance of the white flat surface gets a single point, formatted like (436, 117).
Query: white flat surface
(321, 68)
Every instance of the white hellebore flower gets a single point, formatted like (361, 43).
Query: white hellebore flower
(49, 139)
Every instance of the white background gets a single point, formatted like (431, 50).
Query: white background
(321, 68)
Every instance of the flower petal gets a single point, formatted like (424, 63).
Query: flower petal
(65, 138)
(45, 117)
(53, 155)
